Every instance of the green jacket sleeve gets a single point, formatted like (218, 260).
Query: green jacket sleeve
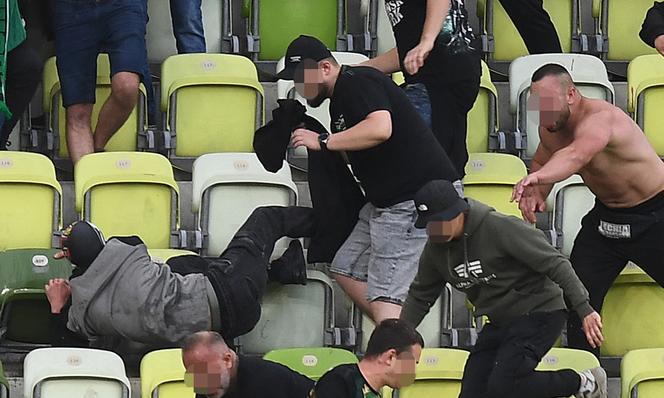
(425, 289)
(529, 245)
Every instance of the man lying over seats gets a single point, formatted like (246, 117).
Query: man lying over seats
(116, 290)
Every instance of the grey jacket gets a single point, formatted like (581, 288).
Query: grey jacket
(124, 294)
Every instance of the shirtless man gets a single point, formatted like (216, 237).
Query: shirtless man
(600, 142)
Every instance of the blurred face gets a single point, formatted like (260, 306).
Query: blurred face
(401, 372)
(310, 81)
(550, 98)
(445, 231)
(208, 370)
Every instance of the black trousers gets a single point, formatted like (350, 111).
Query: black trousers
(502, 362)
(534, 25)
(239, 277)
(24, 72)
(598, 259)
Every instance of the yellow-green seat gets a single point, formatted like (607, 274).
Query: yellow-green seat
(642, 374)
(127, 138)
(4, 385)
(483, 117)
(31, 201)
(438, 374)
(619, 22)
(128, 193)
(312, 362)
(490, 178)
(645, 79)
(162, 375)
(212, 102)
(627, 313)
(567, 358)
(507, 42)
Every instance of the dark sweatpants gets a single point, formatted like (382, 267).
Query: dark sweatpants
(534, 25)
(598, 259)
(502, 363)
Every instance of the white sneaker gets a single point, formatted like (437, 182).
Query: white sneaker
(593, 384)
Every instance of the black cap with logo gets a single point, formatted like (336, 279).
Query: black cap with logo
(437, 200)
(304, 47)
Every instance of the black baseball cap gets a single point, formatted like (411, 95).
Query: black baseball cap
(304, 47)
(437, 200)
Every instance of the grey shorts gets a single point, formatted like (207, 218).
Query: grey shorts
(383, 250)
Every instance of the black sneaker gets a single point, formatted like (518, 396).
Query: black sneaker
(291, 267)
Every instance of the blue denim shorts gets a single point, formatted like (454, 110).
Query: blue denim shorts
(85, 28)
(383, 250)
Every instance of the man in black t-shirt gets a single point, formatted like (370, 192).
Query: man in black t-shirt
(392, 153)
(216, 371)
(392, 353)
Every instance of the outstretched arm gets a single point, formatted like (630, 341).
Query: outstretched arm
(387, 62)
(437, 11)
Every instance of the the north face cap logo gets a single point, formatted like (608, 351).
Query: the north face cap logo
(422, 207)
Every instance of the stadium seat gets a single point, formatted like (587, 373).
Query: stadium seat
(627, 313)
(642, 373)
(645, 101)
(162, 255)
(438, 374)
(384, 33)
(293, 316)
(567, 203)
(4, 385)
(24, 309)
(163, 375)
(28, 223)
(490, 178)
(617, 26)
(588, 73)
(211, 102)
(567, 358)
(129, 193)
(60, 372)
(483, 117)
(502, 41)
(312, 362)
(227, 187)
(131, 136)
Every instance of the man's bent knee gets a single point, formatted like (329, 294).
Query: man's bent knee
(124, 87)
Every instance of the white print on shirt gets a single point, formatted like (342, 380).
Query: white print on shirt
(393, 8)
(474, 269)
(340, 123)
(614, 231)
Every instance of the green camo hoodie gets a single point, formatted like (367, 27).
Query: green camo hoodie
(506, 267)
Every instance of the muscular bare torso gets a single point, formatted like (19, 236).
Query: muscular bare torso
(627, 171)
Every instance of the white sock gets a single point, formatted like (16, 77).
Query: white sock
(587, 382)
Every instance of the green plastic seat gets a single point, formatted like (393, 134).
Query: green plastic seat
(312, 362)
(483, 116)
(645, 101)
(4, 385)
(642, 374)
(438, 374)
(24, 309)
(162, 375)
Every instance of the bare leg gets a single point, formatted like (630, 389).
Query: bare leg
(79, 131)
(356, 290)
(117, 108)
(382, 310)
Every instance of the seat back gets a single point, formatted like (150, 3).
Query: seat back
(312, 362)
(627, 313)
(645, 79)
(160, 256)
(125, 139)
(642, 373)
(213, 103)
(276, 28)
(4, 385)
(490, 178)
(128, 193)
(620, 21)
(384, 32)
(227, 187)
(567, 358)
(438, 374)
(69, 372)
(589, 75)
(483, 116)
(310, 307)
(24, 309)
(163, 375)
(507, 42)
(28, 175)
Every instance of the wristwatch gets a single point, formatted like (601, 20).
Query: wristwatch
(323, 138)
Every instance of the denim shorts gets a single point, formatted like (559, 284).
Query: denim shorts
(85, 28)
(383, 250)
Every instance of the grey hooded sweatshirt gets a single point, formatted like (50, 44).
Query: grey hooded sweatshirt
(123, 293)
(506, 267)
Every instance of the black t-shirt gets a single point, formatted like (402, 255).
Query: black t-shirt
(455, 55)
(344, 381)
(396, 169)
(258, 378)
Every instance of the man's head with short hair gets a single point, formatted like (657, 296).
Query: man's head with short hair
(394, 349)
(210, 364)
(552, 92)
